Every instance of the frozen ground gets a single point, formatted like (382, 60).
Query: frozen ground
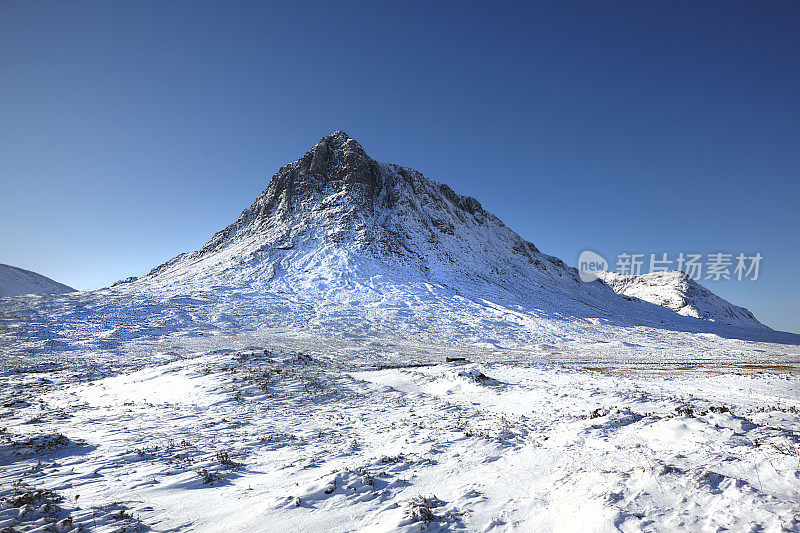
(288, 431)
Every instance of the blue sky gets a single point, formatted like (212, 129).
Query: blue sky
(132, 131)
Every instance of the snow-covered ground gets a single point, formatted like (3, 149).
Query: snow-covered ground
(267, 439)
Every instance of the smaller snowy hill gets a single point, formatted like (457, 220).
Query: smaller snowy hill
(677, 291)
(18, 281)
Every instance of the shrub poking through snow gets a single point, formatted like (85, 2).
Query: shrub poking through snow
(366, 477)
(330, 489)
(208, 477)
(597, 413)
(25, 508)
(475, 375)
(24, 496)
(420, 509)
(225, 460)
(303, 359)
(41, 443)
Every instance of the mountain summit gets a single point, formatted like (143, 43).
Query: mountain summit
(355, 197)
(675, 290)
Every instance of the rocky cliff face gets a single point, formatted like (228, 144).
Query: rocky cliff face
(335, 172)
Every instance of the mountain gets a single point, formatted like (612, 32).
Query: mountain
(18, 281)
(336, 224)
(677, 291)
(342, 248)
(335, 207)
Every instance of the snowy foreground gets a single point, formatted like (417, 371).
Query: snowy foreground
(270, 438)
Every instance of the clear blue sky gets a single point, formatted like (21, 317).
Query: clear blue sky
(132, 131)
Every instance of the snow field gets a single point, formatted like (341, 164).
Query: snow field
(274, 440)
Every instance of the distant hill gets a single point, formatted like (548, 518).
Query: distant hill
(677, 291)
(18, 281)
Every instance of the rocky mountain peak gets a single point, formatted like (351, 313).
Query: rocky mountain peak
(335, 160)
(340, 198)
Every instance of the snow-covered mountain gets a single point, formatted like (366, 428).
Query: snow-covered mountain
(341, 246)
(336, 213)
(677, 291)
(337, 221)
(17, 281)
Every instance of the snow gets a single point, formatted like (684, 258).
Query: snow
(677, 291)
(248, 440)
(293, 375)
(16, 281)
